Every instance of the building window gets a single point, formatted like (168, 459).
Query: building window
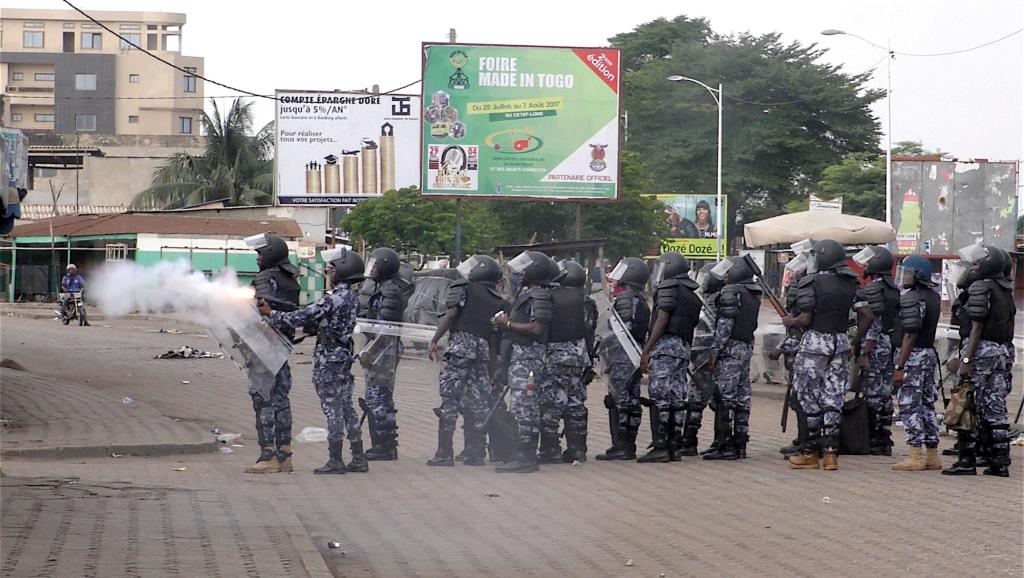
(185, 125)
(85, 82)
(32, 39)
(17, 76)
(133, 119)
(133, 78)
(133, 37)
(45, 77)
(85, 122)
(44, 173)
(130, 27)
(190, 81)
(44, 118)
(152, 27)
(15, 117)
(92, 40)
(152, 43)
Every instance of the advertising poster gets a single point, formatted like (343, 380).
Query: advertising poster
(692, 227)
(939, 207)
(520, 122)
(336, 148)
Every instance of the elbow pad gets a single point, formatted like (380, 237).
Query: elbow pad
(728, 303)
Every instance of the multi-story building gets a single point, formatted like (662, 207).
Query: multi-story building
(64, 74)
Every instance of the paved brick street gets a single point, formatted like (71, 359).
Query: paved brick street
(99, 516)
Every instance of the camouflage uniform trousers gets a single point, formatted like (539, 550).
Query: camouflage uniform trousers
(525, 399)
(701, 392)
(624, 387)
(667, 382)
(917, 399)
(274, 416)
(563, 394)
(334, 384)
(988, 372)
(821, 374)
(876, 381)
(732, 379)
(1011, 358)
(465, 383)
(380, 388)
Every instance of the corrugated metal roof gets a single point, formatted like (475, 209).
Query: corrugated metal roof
(127, 224)
(36, 211)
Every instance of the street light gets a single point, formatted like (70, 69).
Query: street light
(717, 95)
(888, 102)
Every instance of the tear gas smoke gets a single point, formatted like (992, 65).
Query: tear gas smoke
(171, 286)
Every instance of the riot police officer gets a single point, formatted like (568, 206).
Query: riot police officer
(914, 370)
(380, 360)
(702, 391)
(332, 318)
(821, 373)
(623, 398)
(790, 345)
(991, 310)
(667, 352)
(874, 348)
(465, 379)
(276, 285)
(737, 307)
(526, 328)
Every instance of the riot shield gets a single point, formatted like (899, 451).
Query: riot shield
(617, 344)
(254, 346)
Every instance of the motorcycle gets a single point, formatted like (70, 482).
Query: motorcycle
(75, 309)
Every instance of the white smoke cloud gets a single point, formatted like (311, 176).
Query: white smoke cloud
(171, 286)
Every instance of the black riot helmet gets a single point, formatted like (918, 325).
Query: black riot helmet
(631, 271)
(828, 254)
(875, 260)
(709, 284)
(571, 274)
(671, 265)
(534, 267)
(733, 270)
(383, 264)
(987, 261)
(271, 250)
(347, 264)
(480, 269)
(1007, 262)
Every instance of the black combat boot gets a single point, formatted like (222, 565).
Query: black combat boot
(715, 443)
(444, 455)
(999, 458)
(575, 448)
(952, 451)
(688, 443)
(550, 449)
(475, 450)
(387, 450)
(882, 445)
(334, 464)
(623, 449)
(358, 461)
(741, 435)
(659, 444)
(525, 460)
(727, 444)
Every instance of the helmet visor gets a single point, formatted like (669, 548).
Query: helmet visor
(955, 272)
(257, 241)
(329, 255)
(973, 253)
(798, 264)
(802, 246)
(371, 264)
(520, 263)
(864, 256)
(466, 267)
(905, 275)
(659, 274)
(619, 270)
(720, 270)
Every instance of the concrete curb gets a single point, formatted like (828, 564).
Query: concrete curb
(135, 450)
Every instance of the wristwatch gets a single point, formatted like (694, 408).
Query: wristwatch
(965, 360)
(898, 367)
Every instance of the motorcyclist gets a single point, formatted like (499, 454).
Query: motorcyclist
(70, 284)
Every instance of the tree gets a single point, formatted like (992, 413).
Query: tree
(786, 115)
(405, 220)
(236, 165)
(860, 180)
(909, 148)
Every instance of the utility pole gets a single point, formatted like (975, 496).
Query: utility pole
(458, 200)
(78, 168)
(54, 195)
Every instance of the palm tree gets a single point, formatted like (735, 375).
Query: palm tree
(235, 166)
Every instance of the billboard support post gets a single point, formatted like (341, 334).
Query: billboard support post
(458, 230)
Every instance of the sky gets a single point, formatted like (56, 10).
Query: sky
(968, 104)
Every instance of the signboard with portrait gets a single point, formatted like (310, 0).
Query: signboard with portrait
(692, 227)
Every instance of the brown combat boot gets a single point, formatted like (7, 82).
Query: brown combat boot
(805, 461)
(831, 462)
(915, 462)
(932, 461)
(266, 464)
(284, 458)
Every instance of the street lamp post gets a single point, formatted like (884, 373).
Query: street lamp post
(717, 95)
(888, 104)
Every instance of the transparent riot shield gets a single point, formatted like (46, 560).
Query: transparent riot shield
(257, 349)
(617, 344)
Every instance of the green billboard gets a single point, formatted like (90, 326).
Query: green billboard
(520, 122)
